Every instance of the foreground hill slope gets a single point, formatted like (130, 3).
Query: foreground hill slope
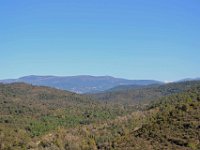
(177, 123)
(170, 123)
(41, 118)
(28, 112)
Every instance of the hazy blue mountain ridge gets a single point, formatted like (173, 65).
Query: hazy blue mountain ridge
(80, 84)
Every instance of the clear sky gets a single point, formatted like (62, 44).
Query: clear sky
(135, 39)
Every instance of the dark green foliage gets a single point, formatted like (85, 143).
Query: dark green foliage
(39, 110)
(176, 126)
(44, 118)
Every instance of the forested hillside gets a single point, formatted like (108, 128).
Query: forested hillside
(41, 118)
(28, 112)
(143, 94)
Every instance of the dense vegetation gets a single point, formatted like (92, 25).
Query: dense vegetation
(177, 123)
(28, 112)
(44, 118)
(143, 94)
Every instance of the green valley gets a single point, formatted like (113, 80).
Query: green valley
(35, 117)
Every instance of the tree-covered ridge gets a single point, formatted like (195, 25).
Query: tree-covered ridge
(143, 94)
(62, 120)
(177, 123)
(29, 112)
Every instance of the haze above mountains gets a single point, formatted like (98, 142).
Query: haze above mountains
(84, 83)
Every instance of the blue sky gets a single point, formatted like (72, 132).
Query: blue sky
(135, 39)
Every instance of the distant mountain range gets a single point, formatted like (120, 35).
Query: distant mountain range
(82, 83)
(189, 79)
